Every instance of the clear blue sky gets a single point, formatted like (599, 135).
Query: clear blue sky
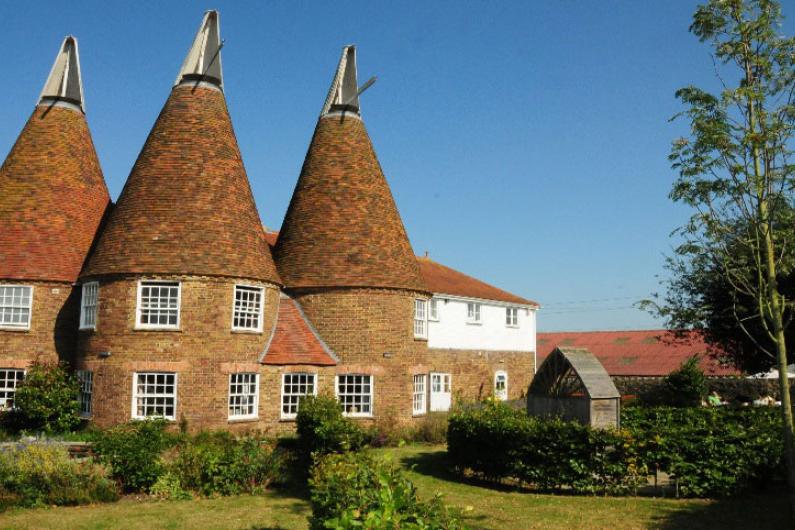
(525, 142)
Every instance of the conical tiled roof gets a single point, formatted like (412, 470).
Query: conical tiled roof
(342, 228)
(187, 207)
(52, 193)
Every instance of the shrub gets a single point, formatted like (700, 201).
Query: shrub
(218, 464)
(353, 490)
(46, 400)
(497, 442)
(133, 452)
(322, 428)
(686, 386)
(168, 487)
(710, 451)
(432, 428)
(40, 474)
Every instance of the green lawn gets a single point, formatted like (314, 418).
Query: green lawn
(484, 506)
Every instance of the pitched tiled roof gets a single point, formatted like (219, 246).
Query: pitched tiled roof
(187, 207)
(637, 353)
(342, 228)
(52, 197)
(444, 280)
(294, 340)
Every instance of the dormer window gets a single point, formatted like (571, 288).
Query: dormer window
(473, 313)
(420, 319)
(15, 306)
(158, 305)
(247, 313)
(512, 317)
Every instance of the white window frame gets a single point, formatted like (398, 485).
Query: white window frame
(501, 395)
(433, 310)
(10, 391)
(512, 317)
(29, 307)
(419, 394)
(247, 395)
(474, 313)
(420, 318)
(139, 309)
(445, 388)
(86, 380)
(371, 395)
(249, 288)
(135, 395)
(308, 375)
(88, 309)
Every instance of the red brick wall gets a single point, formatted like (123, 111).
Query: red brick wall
(203, 351)
(53, 326)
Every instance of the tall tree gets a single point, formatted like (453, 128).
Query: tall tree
(735, 170)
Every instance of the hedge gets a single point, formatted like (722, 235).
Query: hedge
(708, 451)
(496, 442)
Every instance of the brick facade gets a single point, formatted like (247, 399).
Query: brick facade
(53, 326)
(203, 351)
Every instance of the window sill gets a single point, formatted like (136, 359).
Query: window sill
(138, 328)
(474, 323)
(247, 331)
(287, 420)
(418, 414)
(247, 419)
(512, 326)
(87, 329)
(421, 339)
(359, 416)
(10, 328)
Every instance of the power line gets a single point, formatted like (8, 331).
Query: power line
(572, 302)
(586, 310)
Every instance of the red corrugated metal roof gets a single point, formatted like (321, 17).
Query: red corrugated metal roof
(294, 340)
(637, 353)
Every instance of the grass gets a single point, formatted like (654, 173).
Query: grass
(485, 507)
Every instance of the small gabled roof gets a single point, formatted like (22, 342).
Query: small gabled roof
(555, 375)
(442, 280)
(65, 84)
(295, 340)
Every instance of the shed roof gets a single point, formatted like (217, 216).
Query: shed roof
(584, 365)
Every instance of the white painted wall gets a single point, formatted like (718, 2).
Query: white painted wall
(452, 330)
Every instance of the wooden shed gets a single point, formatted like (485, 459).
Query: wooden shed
(573, 384)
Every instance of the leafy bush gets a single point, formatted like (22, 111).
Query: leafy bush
(497, 442)
(40, 474)
(686, 386)
(46, 400)
(133, 452)
(218, 464)
(353, 490)
(710, 451)
(168, 487)
(322, 428)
